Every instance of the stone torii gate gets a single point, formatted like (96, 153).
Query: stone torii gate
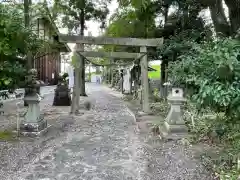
(142, 43)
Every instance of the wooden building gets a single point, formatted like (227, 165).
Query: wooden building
(48, 62)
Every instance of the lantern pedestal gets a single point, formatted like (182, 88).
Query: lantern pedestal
(34, 123)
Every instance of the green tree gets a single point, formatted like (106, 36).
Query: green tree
(27, 21)
(218, 16)
(13, 48)
(16, 41)
(140, 23)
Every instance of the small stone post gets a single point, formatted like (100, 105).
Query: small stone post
(145, 84)
(174, 121)
(33, 123)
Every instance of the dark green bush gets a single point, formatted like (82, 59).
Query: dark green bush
(212, 72)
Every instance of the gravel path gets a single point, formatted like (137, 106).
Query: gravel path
(100, 144)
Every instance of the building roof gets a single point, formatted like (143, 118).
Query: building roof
(47, 16)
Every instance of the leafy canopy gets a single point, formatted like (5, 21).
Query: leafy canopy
(71, 10)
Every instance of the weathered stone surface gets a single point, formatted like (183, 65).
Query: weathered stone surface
(155, 84)
(174, 117)
(33, 123)
(37, 126)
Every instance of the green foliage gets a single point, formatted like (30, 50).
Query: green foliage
(72, 10)
(15, 42)
(11, 72)
(155, 74)
(214, 129)
(121, 21)
(210, 70)
(7, 135)
(139, 22)
(207, 69)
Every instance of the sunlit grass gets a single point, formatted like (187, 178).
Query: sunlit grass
(154, 74)
(7, 135)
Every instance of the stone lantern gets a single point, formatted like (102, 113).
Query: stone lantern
(33, 123)
(174, 121)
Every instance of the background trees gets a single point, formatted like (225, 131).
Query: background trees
(16, 40)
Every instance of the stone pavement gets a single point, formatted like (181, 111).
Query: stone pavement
(100, 144)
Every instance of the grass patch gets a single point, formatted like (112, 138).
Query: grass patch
(7, 135)
(154, 74)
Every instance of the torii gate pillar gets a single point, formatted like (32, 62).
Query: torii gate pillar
(145, 84)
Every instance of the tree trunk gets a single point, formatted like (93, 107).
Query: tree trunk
(219, 19)
(234, 14)
(163, 64)
(26, 13)
(27, 4)
(82, 59)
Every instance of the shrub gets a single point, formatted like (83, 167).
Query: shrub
(210, 72)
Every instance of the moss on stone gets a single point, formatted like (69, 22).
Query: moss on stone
(7, 135)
